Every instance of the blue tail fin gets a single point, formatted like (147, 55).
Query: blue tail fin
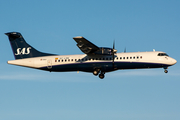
(21, 49)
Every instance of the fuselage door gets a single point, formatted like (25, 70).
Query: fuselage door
(49, 64)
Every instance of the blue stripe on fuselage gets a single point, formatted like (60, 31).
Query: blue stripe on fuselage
(104, 66)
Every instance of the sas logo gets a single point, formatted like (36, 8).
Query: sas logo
(24, 51)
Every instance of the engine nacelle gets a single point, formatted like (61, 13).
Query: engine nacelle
(105, 51)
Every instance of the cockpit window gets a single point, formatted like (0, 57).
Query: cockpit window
(162, 54)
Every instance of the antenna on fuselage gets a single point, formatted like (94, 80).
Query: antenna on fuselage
(125, 50)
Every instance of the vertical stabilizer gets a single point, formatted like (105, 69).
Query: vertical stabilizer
(21, 49)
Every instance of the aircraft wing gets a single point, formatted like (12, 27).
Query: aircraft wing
(85, 46)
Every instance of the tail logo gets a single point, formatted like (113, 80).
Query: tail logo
(23, 51)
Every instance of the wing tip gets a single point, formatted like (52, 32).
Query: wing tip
(78, 37)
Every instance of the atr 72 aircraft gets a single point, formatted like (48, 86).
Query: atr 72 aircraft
(96, 60)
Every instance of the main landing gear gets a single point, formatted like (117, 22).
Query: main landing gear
(97, 71)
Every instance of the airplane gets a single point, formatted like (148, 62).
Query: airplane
(96, 60)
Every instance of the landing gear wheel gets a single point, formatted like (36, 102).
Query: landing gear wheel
(101, 76)
(96, 72)
(166, 71)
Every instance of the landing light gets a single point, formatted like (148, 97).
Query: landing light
(114, 50)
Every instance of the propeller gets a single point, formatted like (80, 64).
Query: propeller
(113, 51)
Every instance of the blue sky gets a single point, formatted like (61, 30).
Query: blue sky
(50, 25)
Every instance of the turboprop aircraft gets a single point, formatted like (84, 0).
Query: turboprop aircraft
(96, 60)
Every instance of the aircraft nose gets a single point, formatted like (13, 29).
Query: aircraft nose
(173, 61)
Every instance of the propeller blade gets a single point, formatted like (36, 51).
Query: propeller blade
(113, 44)
(113, 51)
(113, 56)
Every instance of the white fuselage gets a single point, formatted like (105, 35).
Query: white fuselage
(131, 60)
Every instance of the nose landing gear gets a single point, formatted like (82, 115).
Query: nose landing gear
(165, 70)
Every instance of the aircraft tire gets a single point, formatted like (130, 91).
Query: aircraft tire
(101, 76)
(166, 71)
(96, 72)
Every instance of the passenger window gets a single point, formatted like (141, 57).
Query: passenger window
(120, 57)
(134, 57)
(58, 60)
(127, 57)
(130, 57)
(123, 57)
